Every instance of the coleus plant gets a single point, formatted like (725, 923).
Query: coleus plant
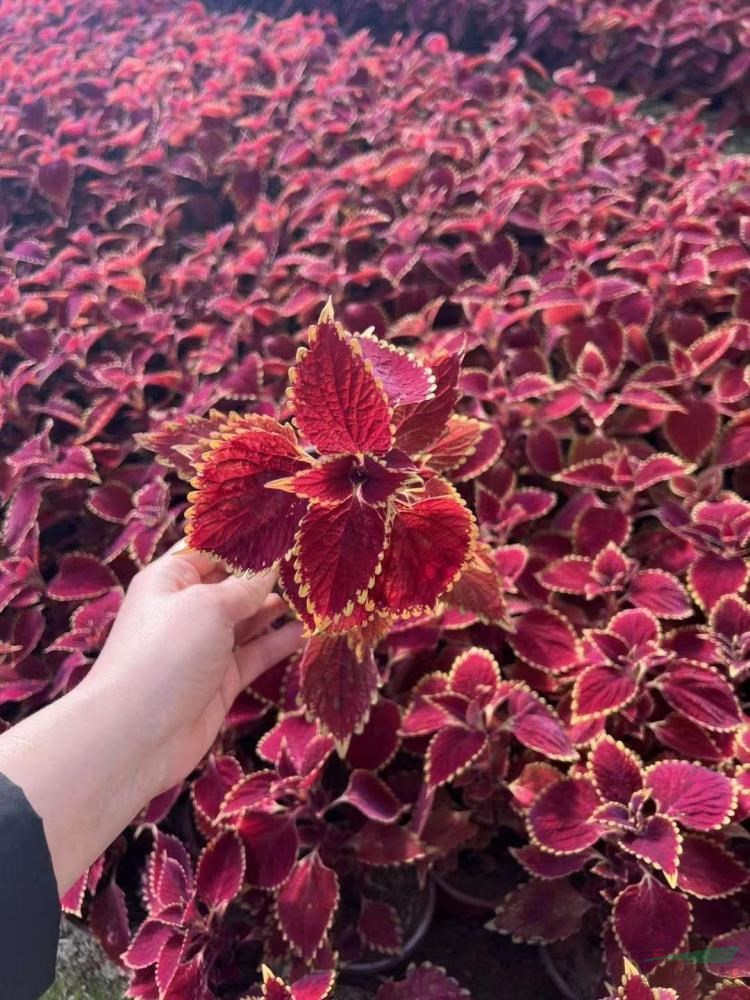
(704, 55)
(349, 500)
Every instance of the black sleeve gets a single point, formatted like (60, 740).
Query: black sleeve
(29, 905)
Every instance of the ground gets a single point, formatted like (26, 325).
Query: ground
(83, 970)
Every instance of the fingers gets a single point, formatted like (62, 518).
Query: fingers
(242, 596)
(180, 567)
(272, 608)
(267, 650)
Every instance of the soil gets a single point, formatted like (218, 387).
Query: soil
(489, 965)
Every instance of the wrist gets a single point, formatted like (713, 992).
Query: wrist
(122, 727)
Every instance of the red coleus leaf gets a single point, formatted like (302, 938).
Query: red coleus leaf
(615, 770)
(541, 911)
(55, 179)
(306, 905)
(275, 988)
(730, 624)
(111, 502)
(693, 432)
(661, 593)
(451, 751)
(234, 516)
(685, 737)
(729, 954)
(372, 797)
(570, 575)
(702, 695)
(327, 482)
(338, 687)
(486, 453)
(21, 514)
(314, 986)
(476, 675)
(708, 870)
(147, 944)
(550, 866)
(334, 480)
(456, 444)
(656, 468)
(108, 916)
(80, 576)
(713, 576)
(657, 842)
(635, 987)
(537, 726)
(561, 818)
(403, 378)
(429, 545)
(597, 527)
(544, 639)
(425, 982)
(270, 848)
(696, 796)
(379, 927)
(378, 742)
(170, 959)
(602, 690)
(339, 406)
(383, 845)
(734, 447)
(480, 588)
(727, 990)
(419, 425)
(339, 550)
(650, 922)
(221, 870)
(219, 775)
(253, 791)
(180, 444)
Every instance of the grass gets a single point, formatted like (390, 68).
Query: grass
(83, 970)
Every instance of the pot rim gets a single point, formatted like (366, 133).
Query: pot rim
(389, 962)
(555, 975)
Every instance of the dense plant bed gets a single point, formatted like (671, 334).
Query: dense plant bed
(563, 667)
(658, 48)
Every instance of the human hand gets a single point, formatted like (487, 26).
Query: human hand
(187, 640)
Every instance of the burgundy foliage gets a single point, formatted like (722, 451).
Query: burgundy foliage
(181, 194)
(663, 48)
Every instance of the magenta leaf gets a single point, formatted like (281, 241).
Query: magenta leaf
(79, 577)
(379, 927)
(561, 819)
(537, 726)
(221, 870)
(650, 921)
(696, 796)
(541, 911)
(306, 905)
(372, 797)
(546, 640)
(733, 958)
(270, 848)
(657, 842)
(451, 751)
(425, 982)
(708, 870)
(615, 770)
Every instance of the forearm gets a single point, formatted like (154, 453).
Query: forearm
(83, 765)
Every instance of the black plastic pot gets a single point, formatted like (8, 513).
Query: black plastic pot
(380, 966)
(567, 989)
